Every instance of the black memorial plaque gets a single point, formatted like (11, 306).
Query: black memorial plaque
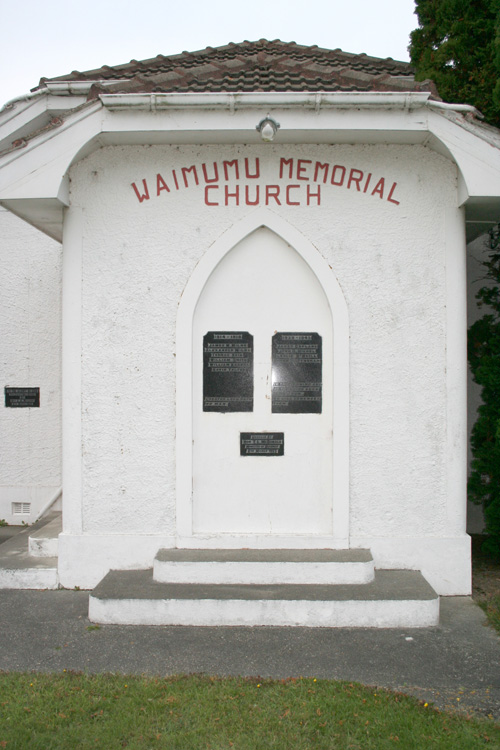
(297, 373)
(17, 398)
(228, 371)
(262, 444)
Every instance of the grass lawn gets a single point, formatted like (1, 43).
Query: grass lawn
(188, 712)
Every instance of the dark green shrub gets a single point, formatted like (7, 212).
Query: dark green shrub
(484, 360)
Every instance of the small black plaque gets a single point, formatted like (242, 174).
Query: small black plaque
(22, 397)
(262, 444)
(228, 371)
(297, 373)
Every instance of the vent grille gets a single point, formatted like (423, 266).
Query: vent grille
(21, 509)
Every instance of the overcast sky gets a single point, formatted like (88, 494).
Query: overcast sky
(54, 37)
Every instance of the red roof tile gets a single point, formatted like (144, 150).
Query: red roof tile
(255, 66)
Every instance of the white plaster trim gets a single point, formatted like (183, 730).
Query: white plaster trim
(48, 505)
(71, 371)
(184, 343)
(456, 371)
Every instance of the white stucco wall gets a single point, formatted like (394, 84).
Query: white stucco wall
(30, 332)
(390, 261)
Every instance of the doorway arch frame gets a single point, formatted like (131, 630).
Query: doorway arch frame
(262, 217)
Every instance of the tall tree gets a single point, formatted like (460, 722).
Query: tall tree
(457, 45)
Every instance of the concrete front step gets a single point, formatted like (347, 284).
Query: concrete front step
(44, 541)
(263, 566)
(395, 598)
(20, 570)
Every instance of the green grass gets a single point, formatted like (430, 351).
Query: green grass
(109, 711)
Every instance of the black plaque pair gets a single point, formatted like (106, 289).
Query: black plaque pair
(296, 372)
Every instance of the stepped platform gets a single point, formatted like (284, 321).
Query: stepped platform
(394, 598)
(264, 566)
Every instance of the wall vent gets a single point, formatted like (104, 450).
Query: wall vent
(21, 509)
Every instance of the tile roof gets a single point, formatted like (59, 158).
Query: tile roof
(254, 66)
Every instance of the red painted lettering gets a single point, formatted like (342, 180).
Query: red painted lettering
(313, 195)
(301, 168)
(145, 196)
(273, 191)
(232, 195)
(389, 197)
(175, 179)
(216, 173)
(355, 175)
(379, 188)
(288, 201)
(161, 185)
(185, 172)
(319, 166)
(207, 202)
(257, 170)
(283, 162)
(247, 196)
(367, 182)
(234, 164)
(342, 172)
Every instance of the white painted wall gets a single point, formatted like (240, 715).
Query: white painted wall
(390, 261)
(30, 332)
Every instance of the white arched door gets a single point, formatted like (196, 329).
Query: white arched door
(262, 411)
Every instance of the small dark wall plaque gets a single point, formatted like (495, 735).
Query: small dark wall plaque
(297, 373)
(262, 444)
(228, 371)
(22, 397)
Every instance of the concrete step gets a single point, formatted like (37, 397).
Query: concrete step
(44, 542)
(395, 598)
(20, 570)
(263, 566)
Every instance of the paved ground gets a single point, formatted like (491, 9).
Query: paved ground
(455, 665)
(6, 532)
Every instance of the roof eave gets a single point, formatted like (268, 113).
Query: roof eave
(37, 171)
(232, 101)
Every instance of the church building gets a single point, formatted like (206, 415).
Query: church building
(234, 324)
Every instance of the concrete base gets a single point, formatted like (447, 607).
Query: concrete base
(84, 559)
(246, 566)
(395, 598)
(19, 569)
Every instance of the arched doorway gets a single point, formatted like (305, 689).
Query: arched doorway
(262, 314)
(276, 468)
